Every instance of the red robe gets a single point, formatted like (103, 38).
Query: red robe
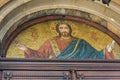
(46, 51)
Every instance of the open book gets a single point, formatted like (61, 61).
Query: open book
(111, 46)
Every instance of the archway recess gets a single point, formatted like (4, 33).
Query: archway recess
(18, 12)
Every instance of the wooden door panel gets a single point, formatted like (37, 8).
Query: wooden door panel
(98, 75)
(36, 75)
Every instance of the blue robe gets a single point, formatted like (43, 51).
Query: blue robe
(80, 49)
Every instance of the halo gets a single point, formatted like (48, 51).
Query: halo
(71, 23)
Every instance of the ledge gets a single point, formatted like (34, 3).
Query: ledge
(57, 64)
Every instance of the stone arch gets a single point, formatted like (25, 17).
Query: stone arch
(26, 10)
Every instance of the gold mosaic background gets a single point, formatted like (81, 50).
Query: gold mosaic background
(34, 36)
